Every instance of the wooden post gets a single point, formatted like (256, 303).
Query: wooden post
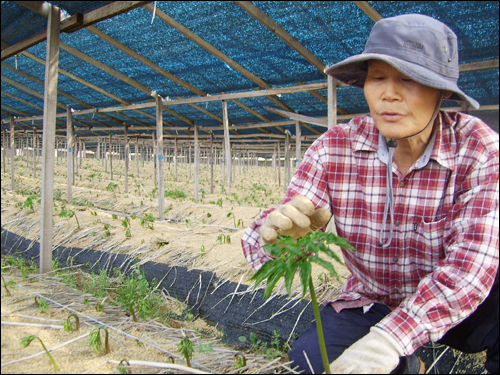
(106, 156)
(227, 145)
(211, 162)
(274, 162)
(137, 155)
(286, 180)
(4, 150)
(189, 161)
(75, 157)
(298, 135)
(12, 153)
(70, 138)
(332, 102)
(279, 163)
(159, 153)
(196, 163)
(154, 159)
(127, 152)
(49, 135)
(176, 155)
(34, 144)
(111, 157)
(80, 150)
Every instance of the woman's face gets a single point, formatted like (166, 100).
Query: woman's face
(399, 106)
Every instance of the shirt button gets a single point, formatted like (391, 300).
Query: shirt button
(397, 223)
(395, 259)
(395, 290)
(402, 183)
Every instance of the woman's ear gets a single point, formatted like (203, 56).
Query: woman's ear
(447, 94)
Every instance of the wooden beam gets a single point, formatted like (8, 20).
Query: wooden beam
(369, 11)
(49, 133)
(284, 35)
(479, 65)
(295, 116)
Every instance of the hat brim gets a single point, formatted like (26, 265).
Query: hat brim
(353, 70)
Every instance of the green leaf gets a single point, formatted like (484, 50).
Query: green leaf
(273, 279)
(342, 242)
(305, 275)
(290, 274)
(273, 249)
(263, 272)
(294, 249)
(324, 264)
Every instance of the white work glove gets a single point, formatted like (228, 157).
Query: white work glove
(375, 353)
(296, 218)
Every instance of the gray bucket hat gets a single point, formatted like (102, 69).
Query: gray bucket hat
(418, 46)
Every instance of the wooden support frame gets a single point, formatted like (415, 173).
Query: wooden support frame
(196, 163)
(49, 134)
(70, 141)
(227, 145)
(332, 102)
(159, 157)
(12, 153)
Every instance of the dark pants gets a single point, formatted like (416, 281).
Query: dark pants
(476, 333)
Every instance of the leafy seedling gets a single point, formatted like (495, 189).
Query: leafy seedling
(5, 286)
(68, 326)
(69, 214)
(111, 187)
(185, 347)
(25, 341)
(122, 370)
(95, 340)
(239, 361)
(291, 255)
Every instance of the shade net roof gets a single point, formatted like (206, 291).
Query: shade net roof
(330, 30)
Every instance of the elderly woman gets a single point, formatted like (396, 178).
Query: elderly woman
(415, 190)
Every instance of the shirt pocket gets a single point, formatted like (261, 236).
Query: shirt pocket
(425, 244)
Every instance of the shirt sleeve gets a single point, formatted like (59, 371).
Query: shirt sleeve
(463, 279)
(310, 181)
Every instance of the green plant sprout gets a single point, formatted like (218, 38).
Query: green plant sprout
(69, 214)
(290, 255)
(68, 327)
(122, 370)
(95, 340)
(148, 221)
(42, 305)
(5, 286)
(185, 347)
(111, 187)
(239, 361)
(25, 341)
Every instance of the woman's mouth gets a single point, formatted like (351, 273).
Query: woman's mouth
(391, 116)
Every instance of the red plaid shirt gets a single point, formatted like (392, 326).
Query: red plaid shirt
(443, 257)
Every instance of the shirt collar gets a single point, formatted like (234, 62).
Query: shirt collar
(441, 148)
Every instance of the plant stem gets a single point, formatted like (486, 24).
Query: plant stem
(319, 326)
(52, 359)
